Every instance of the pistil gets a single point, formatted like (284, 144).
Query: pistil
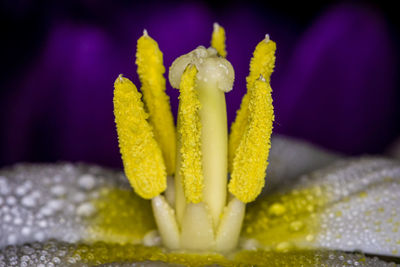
(202, 78)
(214, 77)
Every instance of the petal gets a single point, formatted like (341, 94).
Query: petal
(53, 253)
(55, 201)
(69, 203)
(351, 205)
(289, 158)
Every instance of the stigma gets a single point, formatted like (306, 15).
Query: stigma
(212, 69)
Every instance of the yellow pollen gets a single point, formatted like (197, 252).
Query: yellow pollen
(189, 128)
(149, 60)
(218, 39)
(250, 162)
(141, 155)
(262, 63)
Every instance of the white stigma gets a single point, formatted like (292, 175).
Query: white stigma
(212, 69)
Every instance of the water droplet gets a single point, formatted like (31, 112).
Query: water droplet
(11, 200)
(39, 236)
(26, 231)
(85, 209)
(18, 221)
(12, 239)
(28, 201)
(296, 226)
(249, 244)
(87, 182)
(56, 260)
(78, 197)
(46, 211)
(7, 218)
(55, 204)
(310, 238)
(152, 238)
(42, 223)
(363, 194)
(283, 247)
(21, 190)
(277, 209)
(58, 190)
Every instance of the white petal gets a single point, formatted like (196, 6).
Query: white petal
(41, 202)
(364, 209)
(352, 205)
(289, 158)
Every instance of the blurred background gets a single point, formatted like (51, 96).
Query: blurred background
(336, 81)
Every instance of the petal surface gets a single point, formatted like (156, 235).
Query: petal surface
(289, 158)
(53, 253)
(351, 205)
(69, 203)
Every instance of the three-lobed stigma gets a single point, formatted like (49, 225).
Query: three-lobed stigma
(194, 158)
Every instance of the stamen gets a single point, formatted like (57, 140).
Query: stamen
(262, 63)
(141, 155)
(149, 60)
(218, 40)
(229, 227)
(238, 127)
(166, 222)
(250, 162)
(190, 131)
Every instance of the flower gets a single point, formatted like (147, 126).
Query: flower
(348, 206)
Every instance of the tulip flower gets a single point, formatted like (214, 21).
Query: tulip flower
(78, 214)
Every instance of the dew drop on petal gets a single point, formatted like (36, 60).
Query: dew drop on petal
(277, 209)
(87, 182)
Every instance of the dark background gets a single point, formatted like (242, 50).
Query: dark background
(59, 60)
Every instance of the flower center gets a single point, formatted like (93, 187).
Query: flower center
(194, 213)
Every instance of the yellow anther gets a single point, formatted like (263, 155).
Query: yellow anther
(237, 129)
(149, 60)
(141, 155)
(262, 63)
(218, 39)
(250, 162)
(189, 128)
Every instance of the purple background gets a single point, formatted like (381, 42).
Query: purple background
(335, 82)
